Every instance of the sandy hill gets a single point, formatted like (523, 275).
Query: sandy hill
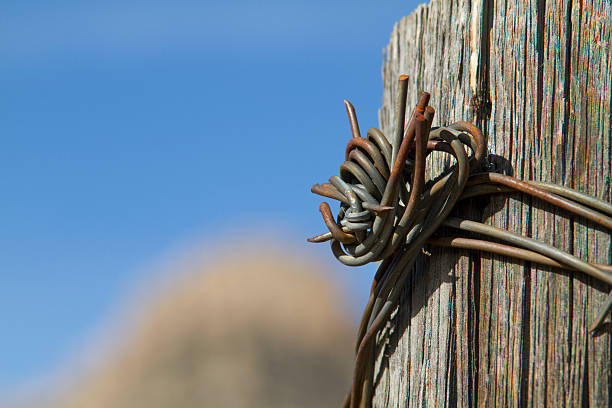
(254, 329)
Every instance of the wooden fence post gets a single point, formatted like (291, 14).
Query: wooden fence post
(474, 329)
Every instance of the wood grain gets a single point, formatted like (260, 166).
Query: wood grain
(479, 330)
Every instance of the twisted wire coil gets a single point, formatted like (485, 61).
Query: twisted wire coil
(388, 213)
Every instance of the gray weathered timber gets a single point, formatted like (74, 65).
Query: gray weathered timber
(479, 330)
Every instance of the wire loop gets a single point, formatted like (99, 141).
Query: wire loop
(389, 212)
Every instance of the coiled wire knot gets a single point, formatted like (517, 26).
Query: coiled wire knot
(388, 212)
(385, 202)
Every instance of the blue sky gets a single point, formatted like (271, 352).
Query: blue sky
(133, 128)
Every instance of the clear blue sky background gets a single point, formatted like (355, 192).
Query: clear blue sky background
(130, 128)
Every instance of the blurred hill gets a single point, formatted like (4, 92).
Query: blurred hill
(252, 329)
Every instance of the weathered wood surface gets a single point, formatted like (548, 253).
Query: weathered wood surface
(480, 330)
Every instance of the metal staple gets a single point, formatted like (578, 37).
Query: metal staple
(388, 213)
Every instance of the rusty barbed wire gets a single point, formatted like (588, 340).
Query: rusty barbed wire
(388, 212)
